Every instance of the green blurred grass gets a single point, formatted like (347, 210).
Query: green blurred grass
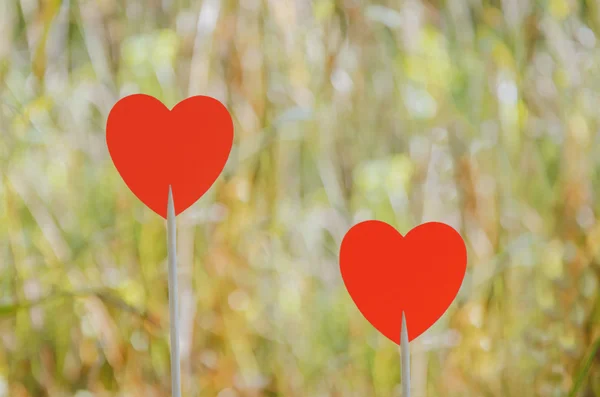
(482, 114)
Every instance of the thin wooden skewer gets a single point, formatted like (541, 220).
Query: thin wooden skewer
(405, 352)
(173, 297)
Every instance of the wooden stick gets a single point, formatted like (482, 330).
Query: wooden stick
(405, 352)
(173, 298)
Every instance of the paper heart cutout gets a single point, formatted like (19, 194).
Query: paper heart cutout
(153, 147)
(387, 274)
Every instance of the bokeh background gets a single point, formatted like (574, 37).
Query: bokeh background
(478, 113)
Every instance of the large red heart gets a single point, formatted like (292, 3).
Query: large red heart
(153, 147)
(387, 274)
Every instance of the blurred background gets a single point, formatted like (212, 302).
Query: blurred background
(483, 114)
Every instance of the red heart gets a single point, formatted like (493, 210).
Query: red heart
(154, 147)
(387, 274)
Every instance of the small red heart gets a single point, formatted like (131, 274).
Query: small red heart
(387, 274)
(153, 147)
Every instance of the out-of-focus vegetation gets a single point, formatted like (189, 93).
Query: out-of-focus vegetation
(482, 114)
